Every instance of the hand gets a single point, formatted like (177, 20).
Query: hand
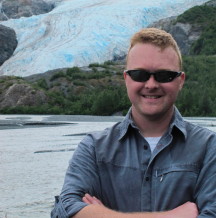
(91, 200)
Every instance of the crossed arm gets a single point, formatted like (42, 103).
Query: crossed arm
(205, 193)
(97, 210)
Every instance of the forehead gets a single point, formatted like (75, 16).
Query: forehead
(149, 56)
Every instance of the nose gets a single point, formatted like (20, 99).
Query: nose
(151, 83)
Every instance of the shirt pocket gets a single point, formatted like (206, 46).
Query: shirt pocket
(174, 185)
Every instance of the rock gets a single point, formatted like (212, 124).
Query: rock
(24, 8)
(184, 34)
(211, 3)
(22, 95)
(8, 43)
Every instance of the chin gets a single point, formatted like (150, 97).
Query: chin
(157, 113)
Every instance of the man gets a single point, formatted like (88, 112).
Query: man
(153, 163)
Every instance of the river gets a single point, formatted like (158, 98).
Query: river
(34, 155)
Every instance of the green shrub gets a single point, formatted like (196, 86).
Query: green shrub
(94, 65)
(42, 84)
(71, 71)
(203, 16)
(57, 75)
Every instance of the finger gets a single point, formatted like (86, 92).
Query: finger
(89, 197)
(85, 200)
(97, 200)
(91, 200)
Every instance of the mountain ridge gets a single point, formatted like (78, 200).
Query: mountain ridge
(91, 31)
(99, 88)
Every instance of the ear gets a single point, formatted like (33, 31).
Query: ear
(125, 75)
(182, 77)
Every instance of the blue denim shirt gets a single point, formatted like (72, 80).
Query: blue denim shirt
(117, 166)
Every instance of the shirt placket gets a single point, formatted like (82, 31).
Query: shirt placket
(147, 163)
(146, 182)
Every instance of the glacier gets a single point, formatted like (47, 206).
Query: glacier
(80, 32)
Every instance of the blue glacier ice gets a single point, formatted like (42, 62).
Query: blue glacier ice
(80, 32)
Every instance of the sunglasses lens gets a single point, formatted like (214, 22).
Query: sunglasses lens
(139, 75)
(162, 76)
(165, 76)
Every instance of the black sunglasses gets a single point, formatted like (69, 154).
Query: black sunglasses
(161, 76)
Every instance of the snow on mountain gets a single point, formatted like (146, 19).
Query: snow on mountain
(79, 32)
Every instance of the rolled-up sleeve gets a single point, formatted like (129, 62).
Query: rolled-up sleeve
(81, 177)
(206, 185)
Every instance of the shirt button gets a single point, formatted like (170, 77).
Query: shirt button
(146, 147)
(147, 179)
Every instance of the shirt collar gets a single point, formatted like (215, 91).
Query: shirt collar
(177, 121)
(127, 121)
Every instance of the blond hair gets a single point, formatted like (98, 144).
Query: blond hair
(157, 37)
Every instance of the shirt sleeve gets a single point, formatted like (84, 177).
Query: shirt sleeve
(81, 178)
(206, 183)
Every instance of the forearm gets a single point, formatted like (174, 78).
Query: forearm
(188, 210)
(98, 211)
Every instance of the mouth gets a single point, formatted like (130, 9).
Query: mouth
(152, 96)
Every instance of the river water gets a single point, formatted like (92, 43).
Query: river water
(34, 155)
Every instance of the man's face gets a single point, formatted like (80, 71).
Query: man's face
(151, 99)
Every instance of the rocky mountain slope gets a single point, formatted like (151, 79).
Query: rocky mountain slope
(8, 43)
(13, 9)
(184, 33)
(16, 92)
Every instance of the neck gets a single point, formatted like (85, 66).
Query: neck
(152, 126)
